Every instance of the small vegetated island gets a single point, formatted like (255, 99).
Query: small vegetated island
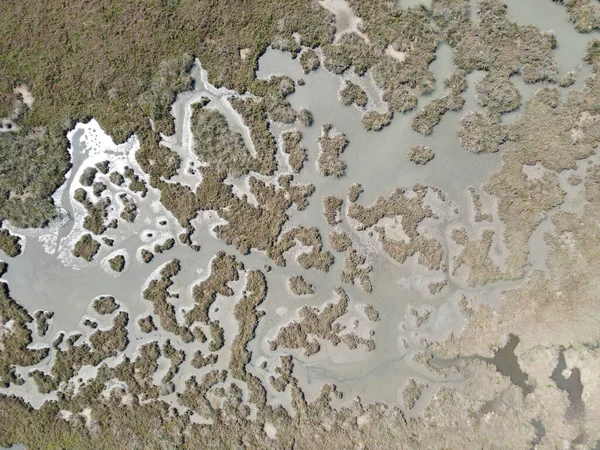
(300, 224)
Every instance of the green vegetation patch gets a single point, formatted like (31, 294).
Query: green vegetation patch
(420, 154)
(105, 304)
(9, 243)
(353, 93)
(86, 247)
(32, 167)
(117, 263)
(217, 144)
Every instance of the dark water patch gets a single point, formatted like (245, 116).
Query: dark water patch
(572, 386)
(507, 364)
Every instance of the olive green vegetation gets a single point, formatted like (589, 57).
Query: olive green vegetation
(94, 221)
(130, 210)
(339, 241)
(116, 178)
(217, 144)
(86, 247)
(32, 166)
(315, 322)
(15, 351)
(351, 51)
(584, 13)
(103, 167)
(304, 117)
(136, 184)
(146, 255)
(146, 324)
(461, 418)
(332, 209)
(117, 263)
(88, 176)
(309, 60)
(356, 268)
(353, 93)
(375, 121)
(42, 318)
(331, 146)
(122, 65)
(105, 305)
(167, 245)
(292, 146)
(157, 292)
(412, 210)
(90, 323)
(299, 286)
(420, 154)
(482, 132)
(224, 269)
(98, 188)
(354, 192)
(9, 243)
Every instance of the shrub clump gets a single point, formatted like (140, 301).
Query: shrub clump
(304, 117)
(117, 263)
(481, 132)
(136, 184)
(218, 145)
(147, 255)
(87, 177)
(105, 304)
(375, 121)
(332, 209)
(130, 210)
(429, 116)
(309, 60)
(497, 93)
(9, 243)
(331, 146)
(299, 286)
(420, 154)
(292, 147)
(339, 241)
(353, 93)
(98, 188)
(116, 178)
(354, 192)
(86, 247)
(146, 324)
(33, 166)
(42, 318)
(167, 245)
(103, 167)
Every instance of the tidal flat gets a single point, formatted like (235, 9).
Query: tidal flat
(293, 274)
